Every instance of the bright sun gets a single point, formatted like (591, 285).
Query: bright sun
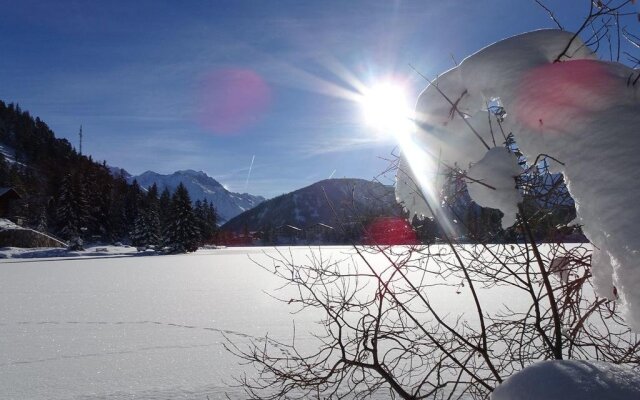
(386, 108)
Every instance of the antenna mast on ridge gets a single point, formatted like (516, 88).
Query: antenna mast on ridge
(80, 134)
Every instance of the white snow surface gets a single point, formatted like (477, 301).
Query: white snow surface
(571, 380)
(582, 111)
(114, 327)
(497, 171)
(121, 327)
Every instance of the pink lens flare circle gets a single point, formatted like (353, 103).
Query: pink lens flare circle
(550, 97)
(231, 100)
(390, 231)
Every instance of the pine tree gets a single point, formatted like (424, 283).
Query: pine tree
(206, 220)
(201, 220)
(181, 233)
(134, 199)
(164, 206)
(138, 233)
(103, 221)
(212, 222)
(69, 213)
(117, 215)
(146, 226)
(82, 205)
(90, 185)
(152, 214)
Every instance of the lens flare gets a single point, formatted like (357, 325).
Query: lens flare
(232, 99)
(389, 232)
(553, 94)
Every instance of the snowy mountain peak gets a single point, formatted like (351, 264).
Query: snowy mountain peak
(202, 186)
(192, 172)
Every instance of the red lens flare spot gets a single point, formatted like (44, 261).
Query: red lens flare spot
(390, 231)
(553, 96)
(231, 100)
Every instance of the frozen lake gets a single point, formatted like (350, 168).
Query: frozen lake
(153, 327)
(132, 327)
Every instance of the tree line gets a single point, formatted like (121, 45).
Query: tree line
(73, 197)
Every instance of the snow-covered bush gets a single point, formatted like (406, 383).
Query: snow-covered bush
(561, 101)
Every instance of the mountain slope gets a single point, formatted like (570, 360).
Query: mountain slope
(330, 201)
(62, 191)
(201, 186)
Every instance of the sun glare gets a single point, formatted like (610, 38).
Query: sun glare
(385, 108)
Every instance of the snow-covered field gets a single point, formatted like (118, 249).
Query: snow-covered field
(133, 327)
(116, 324)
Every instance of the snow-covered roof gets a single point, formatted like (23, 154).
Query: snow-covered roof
(6, 224)
(10, 192)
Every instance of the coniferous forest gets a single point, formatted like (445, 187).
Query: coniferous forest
(71, 196)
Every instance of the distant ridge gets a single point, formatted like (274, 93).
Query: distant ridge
(200, 186)
(331, 201)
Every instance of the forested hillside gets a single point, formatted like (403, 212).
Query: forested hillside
(70, 195)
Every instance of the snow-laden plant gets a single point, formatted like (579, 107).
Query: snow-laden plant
(561, 101)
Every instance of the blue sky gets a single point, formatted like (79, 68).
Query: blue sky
(140, 77)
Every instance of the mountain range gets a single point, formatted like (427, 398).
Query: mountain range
(200, 186)
(68, 194)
